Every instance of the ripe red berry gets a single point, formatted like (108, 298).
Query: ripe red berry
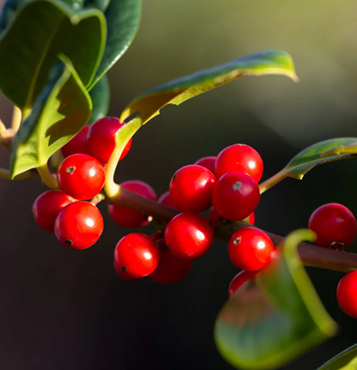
(189, 235)
(101, 138)
(334, 225)
(136, 254)
(166, 200)
(81, 176)
(208, 162)
(250, 249)
(78, 144)
(239, 157)
(235, 196)
(251, 218)
(47, 206)
(214, 217)
(171, 269)
(241, 278)
(191, 187)
(347, 294)
(128, 217)
(79, 225)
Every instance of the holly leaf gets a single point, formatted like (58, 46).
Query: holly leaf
(60, 111)
(346, 360)
(100, 95)
(176, 92)
(123, 19)
(309, 158)
(266, 325)
(54, 29)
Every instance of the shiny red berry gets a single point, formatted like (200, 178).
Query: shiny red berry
(208, 162)
(171, 269)
(235, 196)
(47, 206)
(239, 157)
(347, 294)
(214, 217)
(191, 188)
(101, 138)
(137, 255)
(166, 200)
(81, 176)
(189, 235)
(251, 218)
(128, 217)
(250, 249)
(334, 225)
(78, 144)
(79, 225)
(240, 279)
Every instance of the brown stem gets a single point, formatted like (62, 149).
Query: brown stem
(310, 254)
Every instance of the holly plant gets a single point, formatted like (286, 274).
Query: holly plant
(59, 52)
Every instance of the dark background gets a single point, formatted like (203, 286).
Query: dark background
(64, 309)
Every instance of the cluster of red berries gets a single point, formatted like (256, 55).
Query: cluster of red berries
(77, 223)
(228, 184)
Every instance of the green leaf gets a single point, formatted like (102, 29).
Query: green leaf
(60, 111)
(346, 360)
(42, 30)
(278, 319)
(98, 4)
(123, 18)
(100, 95)
(176, 92)
(309, 158)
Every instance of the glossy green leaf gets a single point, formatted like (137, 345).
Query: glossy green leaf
(60, 111)
(176, 92)
(350, 148)
(98, 4)
(309, 158)
(269, 324)
(346, 360)
(123, 19)
(100, 95)
(42, 30)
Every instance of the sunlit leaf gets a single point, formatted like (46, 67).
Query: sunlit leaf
(60, 111)
(308, 159)
(42, 30)
(266, 325)
(346, 360)
(176, 92)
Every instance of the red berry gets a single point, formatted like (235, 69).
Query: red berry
(239, 157)
(78, 144)
(171, 269)
(250, 249)
(79, 225)
(240, 279)
(235, 195)
(334, 225)
(191, 187)
(208, 162)
(214, 217)
(251, 218)
(166, 200)
(189, 235)
(81, 176)
(128, 217)
(136, 254)
(47, 206)
(347, 294)
(101, 138)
